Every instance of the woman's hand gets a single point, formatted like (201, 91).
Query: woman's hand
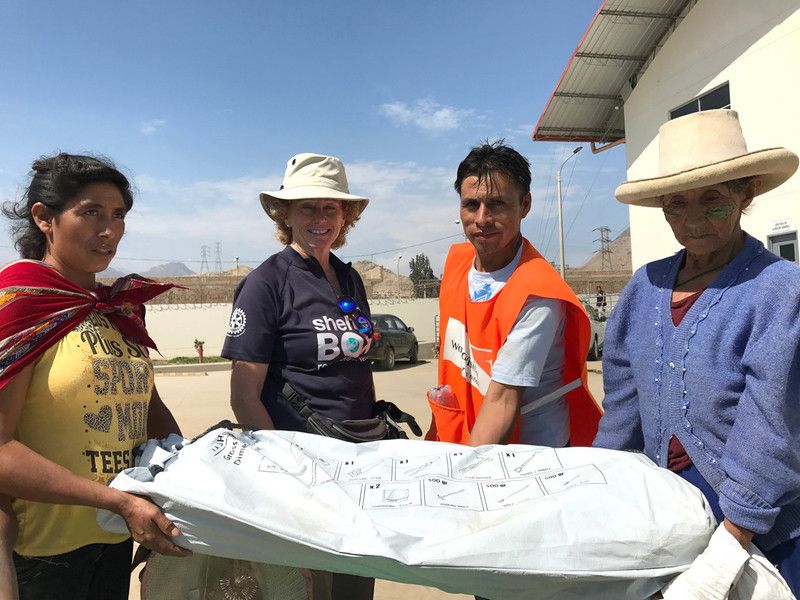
(743, 536)
(149, 526)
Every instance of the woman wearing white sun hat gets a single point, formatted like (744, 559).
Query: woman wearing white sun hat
(301, 318)
(701, 365)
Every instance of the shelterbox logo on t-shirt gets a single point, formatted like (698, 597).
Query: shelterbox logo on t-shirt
(337, 337)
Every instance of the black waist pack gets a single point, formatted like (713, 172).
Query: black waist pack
(385, 425)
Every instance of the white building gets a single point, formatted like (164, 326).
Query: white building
(642, 62)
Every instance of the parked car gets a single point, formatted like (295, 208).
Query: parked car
(597, 318)
(393, 340)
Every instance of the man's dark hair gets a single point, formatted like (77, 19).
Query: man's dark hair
(495, 157)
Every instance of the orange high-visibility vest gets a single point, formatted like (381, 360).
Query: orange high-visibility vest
(472, 333)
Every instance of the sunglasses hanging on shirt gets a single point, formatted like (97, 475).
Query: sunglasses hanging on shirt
(360, 320)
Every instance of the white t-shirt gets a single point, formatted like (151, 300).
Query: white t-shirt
(532, 356)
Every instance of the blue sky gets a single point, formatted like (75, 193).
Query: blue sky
(202, 103)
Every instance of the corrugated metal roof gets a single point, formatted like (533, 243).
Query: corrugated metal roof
(618, 45)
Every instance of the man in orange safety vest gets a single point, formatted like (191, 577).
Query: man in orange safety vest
(514, 337)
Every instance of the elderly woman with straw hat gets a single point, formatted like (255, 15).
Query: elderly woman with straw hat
(301, 318)
(701, 365)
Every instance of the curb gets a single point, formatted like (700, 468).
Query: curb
(425, 352)
(195, 369)
(426, 349)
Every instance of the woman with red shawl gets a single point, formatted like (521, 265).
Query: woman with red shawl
(76, 388)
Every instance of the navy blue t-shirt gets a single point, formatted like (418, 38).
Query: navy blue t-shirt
(285, 314)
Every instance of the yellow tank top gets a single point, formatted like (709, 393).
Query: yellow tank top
(86, 409)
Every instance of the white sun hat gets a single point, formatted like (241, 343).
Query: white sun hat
(706, 148)
(313, 176)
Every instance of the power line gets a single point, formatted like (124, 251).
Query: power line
(204, 254)
(449, 237)
(191, 261)
(163, 260)
(546, 223)
(540, 233)
(589, 191)
(566, 192)
(596, 174)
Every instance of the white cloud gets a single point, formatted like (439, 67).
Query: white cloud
(426, 114)
(409, 204)
(151, 126)
(520, 131)
(200, 210)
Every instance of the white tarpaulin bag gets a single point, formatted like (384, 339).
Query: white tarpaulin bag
(503, 522)
(726, 571)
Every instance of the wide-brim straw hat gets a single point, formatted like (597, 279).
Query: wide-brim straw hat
(706, 148)
(311, 176)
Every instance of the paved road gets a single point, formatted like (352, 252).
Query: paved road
(199, 400)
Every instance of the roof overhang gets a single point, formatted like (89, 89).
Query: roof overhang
(619, 44)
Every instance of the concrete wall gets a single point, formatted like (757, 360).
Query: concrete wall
(754, 47)
(175, 327)
(418, 313)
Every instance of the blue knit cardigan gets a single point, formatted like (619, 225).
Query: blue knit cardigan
(725, 382)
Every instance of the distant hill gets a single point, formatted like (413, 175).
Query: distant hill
(381, 282)
(217, 287)
(618, 260)
(612, 273)
(110, 273)
(172, 269)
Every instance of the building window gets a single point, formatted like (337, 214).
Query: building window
(784, 245)
(719, 97)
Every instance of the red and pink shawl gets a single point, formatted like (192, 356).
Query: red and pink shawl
(38, 306)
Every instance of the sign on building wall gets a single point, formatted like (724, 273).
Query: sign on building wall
(781, 225)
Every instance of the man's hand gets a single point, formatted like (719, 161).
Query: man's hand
(150, 527)
(432, 435)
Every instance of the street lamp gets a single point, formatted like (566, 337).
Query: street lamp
(560, 212)
(458, 222)
(397, 269)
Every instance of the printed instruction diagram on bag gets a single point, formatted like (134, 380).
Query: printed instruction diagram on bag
(464, 479)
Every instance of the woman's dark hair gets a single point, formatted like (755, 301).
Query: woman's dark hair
(55, 180)
(495, 157)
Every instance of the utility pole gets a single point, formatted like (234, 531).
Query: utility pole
(399, 256)
(605, 247)
(204, 258)
(560, 212)
(218, 265)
